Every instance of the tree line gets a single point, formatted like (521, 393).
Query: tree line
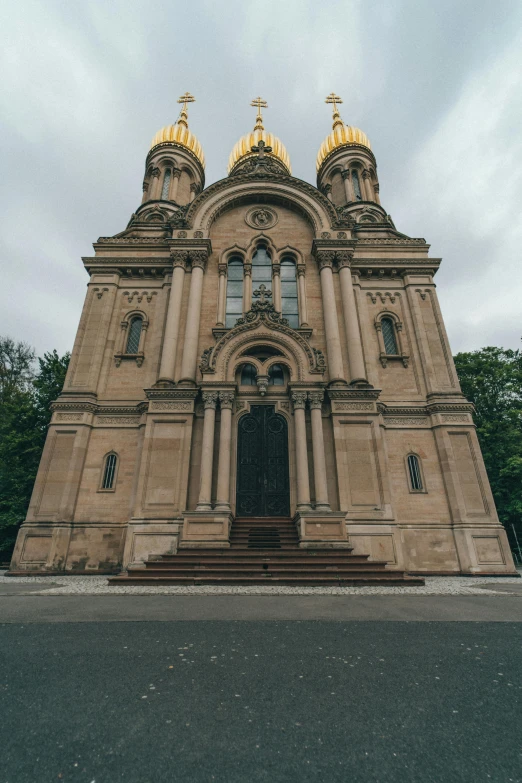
(491, 378)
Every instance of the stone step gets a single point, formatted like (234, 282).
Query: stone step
(396, 579)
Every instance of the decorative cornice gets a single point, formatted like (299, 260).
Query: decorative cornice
(171, 394)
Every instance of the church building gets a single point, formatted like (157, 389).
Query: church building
(262, 365)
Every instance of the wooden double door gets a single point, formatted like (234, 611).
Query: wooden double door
(263, 485)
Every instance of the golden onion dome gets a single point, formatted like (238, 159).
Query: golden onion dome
(243, 148)
(179, 133)
(342, 135)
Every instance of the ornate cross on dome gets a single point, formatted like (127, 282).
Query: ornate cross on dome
(262, 292)
(333, 98)
(184, 99)
(261, 104)
(183, 115)
(261, 148)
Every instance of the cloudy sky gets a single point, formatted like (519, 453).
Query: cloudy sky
(437, 86)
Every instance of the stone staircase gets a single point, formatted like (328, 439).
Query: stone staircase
(263, 551)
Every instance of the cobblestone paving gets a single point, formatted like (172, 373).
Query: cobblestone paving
(97, 585)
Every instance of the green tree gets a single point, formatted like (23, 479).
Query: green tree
(25, 396)
(492, 380)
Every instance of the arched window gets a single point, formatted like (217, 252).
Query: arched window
(109, 472)
(166, 184)
(248, 375)
(261, 269)
(276, 376)
(388, 335)
(356, 185)
(415, 473)
(289, 292)
(133, 340)
(234, 291)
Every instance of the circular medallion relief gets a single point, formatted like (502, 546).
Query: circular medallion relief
(261, 217)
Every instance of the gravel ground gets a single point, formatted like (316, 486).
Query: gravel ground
(98, 585)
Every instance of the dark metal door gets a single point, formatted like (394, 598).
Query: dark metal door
(263, 487)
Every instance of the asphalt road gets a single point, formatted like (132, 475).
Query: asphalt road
(247, 700)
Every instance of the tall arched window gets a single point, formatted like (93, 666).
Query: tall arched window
(166, 184)
(356, 185)
(109, 471)
(289, 292)
(133, 340)
(248, 375)
(388, 335)
(261, 269)
(415, 473)
(234, 291)
(276, 376)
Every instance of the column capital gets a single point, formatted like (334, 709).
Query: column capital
(176, 173)
(145, 187)
(327, 189)
(210, 399)
(222, 269)
(276, 269)
(345, 173)
(299, 399)
(194, 187)
(301, 270)
(316, 398)
(366, 174)
(155, 172)
(179, 258)
(325, 258)
(344, 258)
(226, 399)
(199, 258)
(247, 269)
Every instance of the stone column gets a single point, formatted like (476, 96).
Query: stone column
(331, 325)
(276, 287)
(174, 184)
(190, 346)
(321, 487)
(193, 191)
(222, 294)
(327, 190)
(376, 190)
(170, 340)
(226, 401)
(207, 452)
(247, 287)
(155, 183)
(367, 180)
(303, 310)
(348, 187)
(145, 192)
(301, 452)
(351, 323)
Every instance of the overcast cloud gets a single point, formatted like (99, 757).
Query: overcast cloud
(436, 86)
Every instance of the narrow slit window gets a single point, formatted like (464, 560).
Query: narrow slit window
(356, 185)
(261, 269)
(166, 185)
(133, 340)
(276, 376)
(248, 375)
(234, 292)
(109, 473)
(388, 336)
(290, 307)
(415, 473)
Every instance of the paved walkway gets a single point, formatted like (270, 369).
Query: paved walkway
(98, 585)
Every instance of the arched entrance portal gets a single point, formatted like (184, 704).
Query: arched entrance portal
(263, 486)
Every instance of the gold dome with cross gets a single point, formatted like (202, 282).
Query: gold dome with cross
(342, 135)
(179, 133)
(243, 148)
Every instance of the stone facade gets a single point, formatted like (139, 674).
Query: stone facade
(167, 406)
